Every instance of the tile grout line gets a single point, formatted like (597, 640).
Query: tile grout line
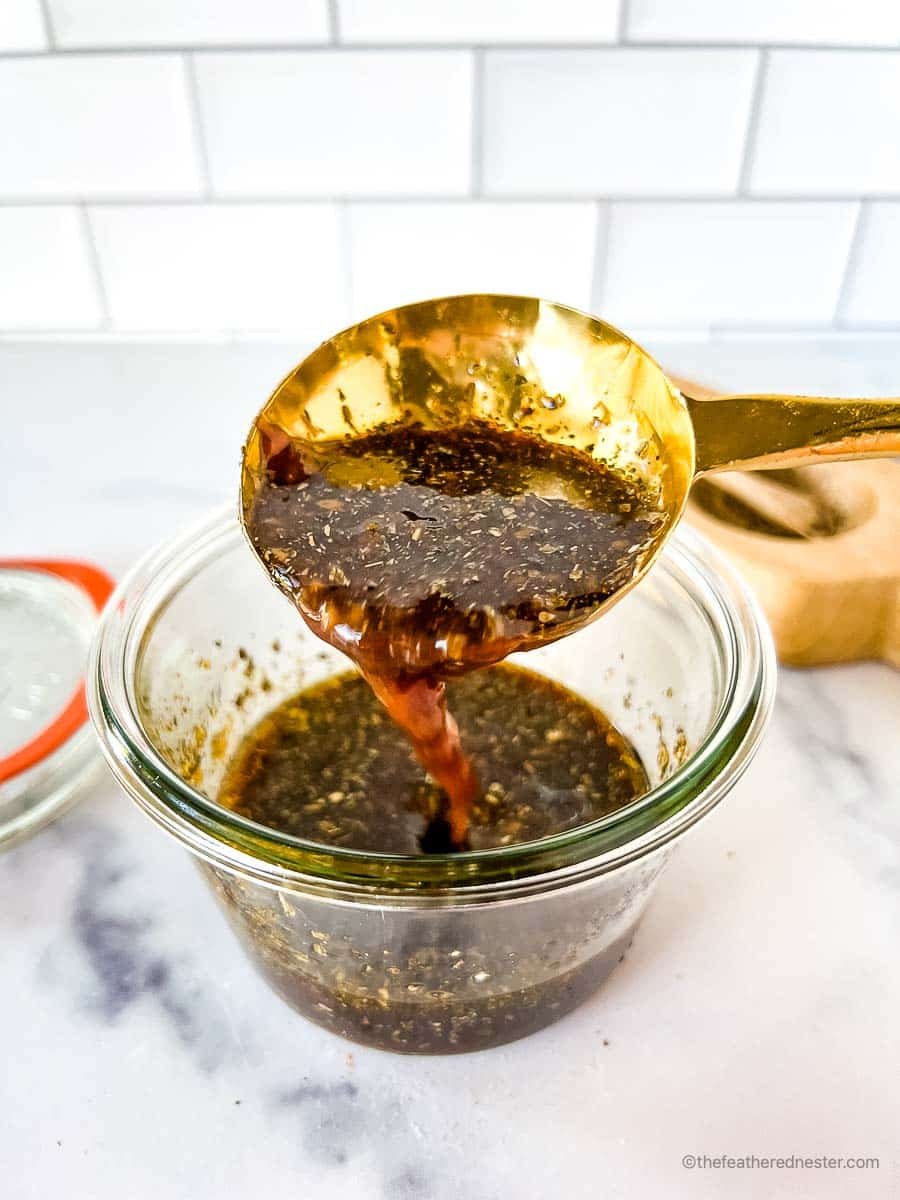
(751, 133)
(476, 182)
(319, 47)
(345, 237)
(853, 253)
(602, 223)
(884, 332)
(47, 20)
(622, 23)
(199, 135)
(87, 229)
(661, 198)
(334, 22)
(637, 198)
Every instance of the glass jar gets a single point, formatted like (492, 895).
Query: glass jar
(424, 953)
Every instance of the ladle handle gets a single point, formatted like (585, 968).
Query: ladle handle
(752, 432)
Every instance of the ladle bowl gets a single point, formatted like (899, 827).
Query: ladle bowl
(559, 375)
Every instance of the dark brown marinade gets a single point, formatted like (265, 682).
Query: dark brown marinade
(423, 554)
(328, 766)
(449, 1022)
(423, 551)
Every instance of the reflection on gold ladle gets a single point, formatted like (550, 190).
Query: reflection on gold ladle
(559, 375)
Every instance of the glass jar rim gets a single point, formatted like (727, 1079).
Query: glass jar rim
(242, 846)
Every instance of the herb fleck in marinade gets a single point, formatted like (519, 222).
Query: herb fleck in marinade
(424, 554)
(423, 550)
(327, 766)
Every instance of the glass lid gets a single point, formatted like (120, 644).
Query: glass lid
(48, 610)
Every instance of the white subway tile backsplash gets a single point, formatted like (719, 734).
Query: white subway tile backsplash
(819, 22)
(406, 252)
(703, 264)
(873, 288)
(643, 122)
(46, 278)
(96, 125)
(276, 267)
(187, 22)
(404, 21)
(719, 153)
(21, 25)
(829, 124)
(333, 123)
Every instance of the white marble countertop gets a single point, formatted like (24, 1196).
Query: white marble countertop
(757, 1013)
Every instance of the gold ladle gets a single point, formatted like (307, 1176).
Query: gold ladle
(560, 375)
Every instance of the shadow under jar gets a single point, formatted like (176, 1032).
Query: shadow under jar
(424, 953)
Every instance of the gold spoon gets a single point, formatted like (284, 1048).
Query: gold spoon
(560, 375)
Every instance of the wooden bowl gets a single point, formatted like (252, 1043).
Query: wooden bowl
(820, 546)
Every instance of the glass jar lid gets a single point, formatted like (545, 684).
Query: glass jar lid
(48, 754)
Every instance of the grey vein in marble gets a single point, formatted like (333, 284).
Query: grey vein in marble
(339, 1123)
(846, 775)
(119, 955)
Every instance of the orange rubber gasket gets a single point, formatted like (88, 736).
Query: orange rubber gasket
(98, 586)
